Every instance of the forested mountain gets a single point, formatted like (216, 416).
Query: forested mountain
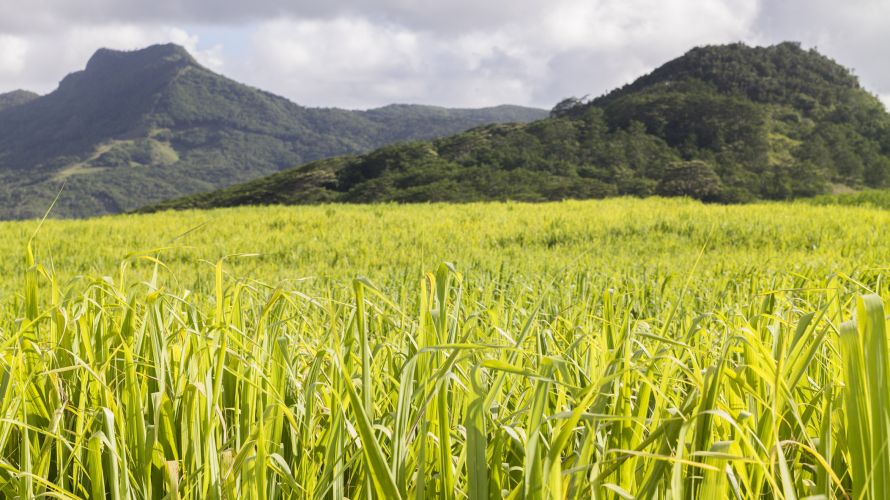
(726, 123)
(138, 127)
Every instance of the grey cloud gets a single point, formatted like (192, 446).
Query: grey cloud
(589, 73)
(456, 15)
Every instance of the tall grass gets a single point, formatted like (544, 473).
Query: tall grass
(719, 380)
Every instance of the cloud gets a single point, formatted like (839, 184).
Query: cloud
(366, 64)
(13, 50)
(562, 47)
(37, 62)
(439, 16)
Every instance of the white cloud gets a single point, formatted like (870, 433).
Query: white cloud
(559, 48)
(354, 63)
(12, 54)
(40, 61)
(210, 57)
(341, 48)
(616, 25)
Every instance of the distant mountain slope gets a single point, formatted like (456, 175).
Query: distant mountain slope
(15, 98)
(137, 127)
(722, 123)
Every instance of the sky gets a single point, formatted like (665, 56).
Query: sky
(461, 53)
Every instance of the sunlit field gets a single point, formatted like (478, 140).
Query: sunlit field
(610, 349)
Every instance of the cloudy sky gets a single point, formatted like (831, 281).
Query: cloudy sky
(365, 53)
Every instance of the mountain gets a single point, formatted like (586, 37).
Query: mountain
(15, 98)
(137, 127)
(728, 123)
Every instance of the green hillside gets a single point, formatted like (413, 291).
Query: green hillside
(138, 127)
(727, 123)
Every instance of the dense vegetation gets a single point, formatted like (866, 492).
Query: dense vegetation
(139, 127)
(722, 123)
(655, 348)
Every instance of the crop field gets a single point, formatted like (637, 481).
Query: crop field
(606, 349)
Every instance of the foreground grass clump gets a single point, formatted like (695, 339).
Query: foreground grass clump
(693, 370)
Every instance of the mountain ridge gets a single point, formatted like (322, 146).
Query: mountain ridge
(137, 127)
